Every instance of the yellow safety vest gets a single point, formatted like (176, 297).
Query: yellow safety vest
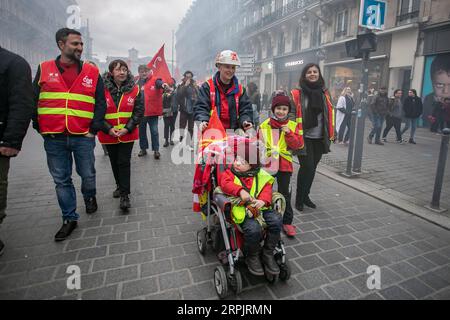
(238, 212)
(281, 148)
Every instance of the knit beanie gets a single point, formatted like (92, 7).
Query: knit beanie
(281, 100)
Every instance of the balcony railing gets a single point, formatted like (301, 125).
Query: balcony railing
(282, 12)
(407, 17)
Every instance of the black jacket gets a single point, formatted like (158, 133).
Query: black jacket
(97, 123)
(116, 94)
(380, 105)
(413, 107)
(202, 107)
(186, 97)
(16, 99)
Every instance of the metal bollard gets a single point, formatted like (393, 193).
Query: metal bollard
(435, 205)
(351, 145)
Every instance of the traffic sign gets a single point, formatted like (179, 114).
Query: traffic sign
(372, 14)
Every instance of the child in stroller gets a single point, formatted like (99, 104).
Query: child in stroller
(252, 186)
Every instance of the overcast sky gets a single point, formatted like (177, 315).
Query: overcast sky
(118, 25)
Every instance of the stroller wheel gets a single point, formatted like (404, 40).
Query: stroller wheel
(236, 281)
(285, 271)
(221, 282)
(201, 240)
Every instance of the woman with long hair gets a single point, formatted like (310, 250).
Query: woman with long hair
(313, 108)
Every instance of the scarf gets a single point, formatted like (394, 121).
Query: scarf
(275, 123)
(314, 92)
(253, 172)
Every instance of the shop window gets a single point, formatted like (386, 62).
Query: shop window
(341, 23)
(408, 11)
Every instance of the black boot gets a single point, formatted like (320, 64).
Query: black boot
(91, 205)
(252, 260)
(166, 144)
(116, 193)
(66, 230)
(125, 203)
(268, 259)
(309, 203)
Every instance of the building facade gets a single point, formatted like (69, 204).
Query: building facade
(28, 27)
(285, 35)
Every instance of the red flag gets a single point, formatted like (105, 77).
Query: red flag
(158, 67)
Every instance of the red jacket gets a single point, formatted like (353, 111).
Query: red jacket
(229, 187)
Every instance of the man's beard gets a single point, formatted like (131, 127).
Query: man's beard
(74, 57)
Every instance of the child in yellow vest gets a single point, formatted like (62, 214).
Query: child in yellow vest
(245, 179)
(282, 136)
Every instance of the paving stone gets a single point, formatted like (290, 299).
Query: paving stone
(346, 240)
(174, 280)
(442, 295)
(183, 239)
(107, 263)
(436, 258)
(97, 231)
(341, 291)
(360, 282)
(202, 273)
(309, 263)
(343, 230)
(139, 257)
(154, 243)
(155, 268)
(169, 252)
(312, 279)
(335, 272)
(167, 295)
(121, 275)
(356, 266)
(307, 237)
(282, 289)
(121, 248)
(46, 290)
(105, 293)
(59, 258)
(395, 293)
(434, 281)
(110, 239)
(307, 249)
(125, 227)
(331, 257)
(328, 244)
(370, 247)
(351, 252)
(386, 243)
(405, 270)
(326, 233)
(92, 253)
(317, 294)
(421, 263)
(258, 293)
(201, 291)
(416, 287)
(138, 288)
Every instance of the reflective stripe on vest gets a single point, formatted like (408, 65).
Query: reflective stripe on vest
(280, 149)
(238, 212)
(61, 109)
(118, 117)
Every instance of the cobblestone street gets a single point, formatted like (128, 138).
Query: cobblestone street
(151, 253)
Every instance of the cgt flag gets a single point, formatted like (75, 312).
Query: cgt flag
(158, 67)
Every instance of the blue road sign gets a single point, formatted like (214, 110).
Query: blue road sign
(372, 14)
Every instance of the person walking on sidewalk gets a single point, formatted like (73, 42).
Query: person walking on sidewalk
(255, 98)
(344, 115)
(152, 90)
(313, 108)
(281, 136)
(412, 109)
(224, 92)
(394, 116)
(378, 109)
(16, 108)
(187, 93)
(70, 110)
(170, 112)
(125, 110)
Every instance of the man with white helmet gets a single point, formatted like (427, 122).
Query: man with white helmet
(225, 93)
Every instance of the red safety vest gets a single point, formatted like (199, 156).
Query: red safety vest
(118, 117)
(62, 109)
(153, 99)
(224, 106)
(296, 96)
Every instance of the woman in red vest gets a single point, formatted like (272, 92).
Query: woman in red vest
(125, 110)
(313, 108)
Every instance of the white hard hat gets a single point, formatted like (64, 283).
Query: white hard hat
(228, 57)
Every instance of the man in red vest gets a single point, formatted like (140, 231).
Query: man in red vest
(70, 110)
(152, 90)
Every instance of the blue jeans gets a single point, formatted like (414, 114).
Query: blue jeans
(252, 228)
(143, 141)
(410, 123)
(377, 122)
(61, 150)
